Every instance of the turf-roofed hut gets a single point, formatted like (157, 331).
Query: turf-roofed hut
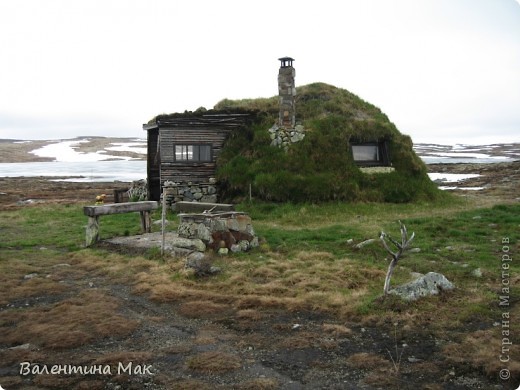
(311, 143)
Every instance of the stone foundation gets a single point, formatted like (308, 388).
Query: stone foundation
(190, 192)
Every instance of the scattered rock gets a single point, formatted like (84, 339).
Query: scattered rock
(159, 222)
(30, 276)
(201, 264)
(21, 347)
(188, 243)
(365, 243)
(430, 284)
(477, 273)
(25, 202)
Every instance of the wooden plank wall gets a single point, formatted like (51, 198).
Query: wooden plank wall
(208, 129)
(190, 171)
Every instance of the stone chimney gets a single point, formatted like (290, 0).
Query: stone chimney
(287, 93)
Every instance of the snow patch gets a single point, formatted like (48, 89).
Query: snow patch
(451, 177)
(64, 151)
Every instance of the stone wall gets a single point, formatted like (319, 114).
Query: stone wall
(283, 137)
(190, 192)
(138, 191)
(221, 232)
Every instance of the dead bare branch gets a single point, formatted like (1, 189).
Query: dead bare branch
(401, 248)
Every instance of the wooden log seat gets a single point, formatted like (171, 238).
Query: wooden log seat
(94, 212)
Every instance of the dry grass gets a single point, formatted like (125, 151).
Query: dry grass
(249, 314)
(25, 277)
(69, 323)
(380, 371)
(299, 340)
(310, 280)
(213, 362)
(186, 384)
(124, 357)
(203, 309)
(368, 361)
(16, 289)
(482, 349)
(258, 384)
(211, 334)
(336, 330)
(54, 381)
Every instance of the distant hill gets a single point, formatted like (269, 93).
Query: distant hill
(107, 148)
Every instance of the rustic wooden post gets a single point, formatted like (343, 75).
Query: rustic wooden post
(163, 220)
(146, 221)
(92, 232)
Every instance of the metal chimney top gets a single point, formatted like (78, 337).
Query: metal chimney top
(286, 62)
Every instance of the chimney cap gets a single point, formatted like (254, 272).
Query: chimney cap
(286, 61)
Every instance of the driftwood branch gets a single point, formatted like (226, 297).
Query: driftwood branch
(396, 255)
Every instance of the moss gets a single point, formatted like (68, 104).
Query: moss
(321, 167)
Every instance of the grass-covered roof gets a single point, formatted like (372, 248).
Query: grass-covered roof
(321, 167)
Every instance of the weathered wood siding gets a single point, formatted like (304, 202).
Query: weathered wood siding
(177, 129)
(195, 171)
(153, 165)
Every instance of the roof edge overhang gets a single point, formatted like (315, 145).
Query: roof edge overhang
(150, 126)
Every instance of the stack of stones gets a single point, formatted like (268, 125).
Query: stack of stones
(190, 192)
(138, 191)
(221, 232)
(283, 137)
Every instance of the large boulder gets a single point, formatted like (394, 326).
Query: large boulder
(430, 284)
(194, 244)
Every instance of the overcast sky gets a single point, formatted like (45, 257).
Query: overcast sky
(443, 71)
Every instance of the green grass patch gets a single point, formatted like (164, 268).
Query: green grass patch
(307, 260)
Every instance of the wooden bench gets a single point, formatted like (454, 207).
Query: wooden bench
(94, 212)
